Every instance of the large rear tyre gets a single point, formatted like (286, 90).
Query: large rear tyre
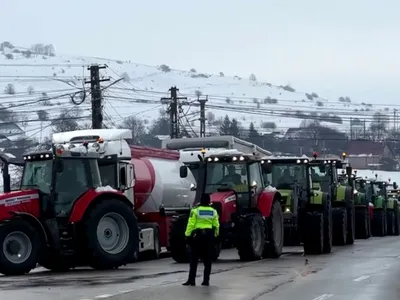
(176, 239)
(112, 234)
(391, 221)
(250, 237)
(397, 221)
(20, 246)
(274, 232)
(339, 216)
(351, 223)
(362, 223)
(328, 226)
(313, 241)
(378, 224)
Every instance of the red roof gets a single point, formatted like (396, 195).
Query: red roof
(366, 147)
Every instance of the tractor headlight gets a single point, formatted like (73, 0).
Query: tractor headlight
(96, 146)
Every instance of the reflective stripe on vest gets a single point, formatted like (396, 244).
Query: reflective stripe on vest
(205, 213)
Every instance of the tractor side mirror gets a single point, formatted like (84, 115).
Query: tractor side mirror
(395, 185)
(59, 165)
(122, 176)
(183, 171)
(349, 170)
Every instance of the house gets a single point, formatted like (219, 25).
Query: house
(11, 131)
(365, 154)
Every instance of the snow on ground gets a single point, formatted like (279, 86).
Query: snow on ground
(139, 94)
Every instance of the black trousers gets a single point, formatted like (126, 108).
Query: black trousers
(201, 247)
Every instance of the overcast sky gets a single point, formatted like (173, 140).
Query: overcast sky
(340, 47)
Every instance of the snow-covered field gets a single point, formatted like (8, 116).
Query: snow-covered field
(57, 78)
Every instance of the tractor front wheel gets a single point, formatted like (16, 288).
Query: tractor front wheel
(362, 223)
(313, 240)
(391, 222)
(339, 216)
(112, 234)
(378, 226)
(274, 232)
(250, 237)
(20, 246)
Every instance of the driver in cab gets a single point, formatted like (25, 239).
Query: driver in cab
(286, 178)
(232, 176)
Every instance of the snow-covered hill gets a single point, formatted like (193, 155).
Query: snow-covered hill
(31, 82)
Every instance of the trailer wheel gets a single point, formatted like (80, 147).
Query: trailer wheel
(20, 247)
(390, 222)
(351, 223)
(112, 234)
(339, 216)
(250, 237)
(362, 223)
(53, 261)
(313, 241)
(274, 230)
(378, 223)
(177, 243)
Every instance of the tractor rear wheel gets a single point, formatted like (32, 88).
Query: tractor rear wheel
(20, 247)
(313, 240)
(351, 223)
(339, 216)
(177, 242)
(390, 222)
(362, 223)
(250, 237)
(112, 234)
(378, 227)
(328, 225)
(397, 220)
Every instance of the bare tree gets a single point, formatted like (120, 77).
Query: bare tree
(67, 120)
(136, 126)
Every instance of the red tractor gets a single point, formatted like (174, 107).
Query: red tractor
(249, 213)
(62, 217)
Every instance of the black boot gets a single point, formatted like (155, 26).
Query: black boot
(205, 282)
(189, 282)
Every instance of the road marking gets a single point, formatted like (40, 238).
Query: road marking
(361, 278)
(125, 292)
(103, 296)
(323, 297)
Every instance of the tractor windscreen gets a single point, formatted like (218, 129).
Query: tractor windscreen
(37, 175)
(284, 175)
(76, 177)
(226, 175)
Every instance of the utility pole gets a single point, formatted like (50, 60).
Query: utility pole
(95, 89)
(202, 115)
(173, 111)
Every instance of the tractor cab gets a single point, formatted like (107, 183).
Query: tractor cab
(60, 177)
(230, 177)
(291, 176)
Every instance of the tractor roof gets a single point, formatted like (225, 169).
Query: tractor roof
(286, 159)
(230, 156)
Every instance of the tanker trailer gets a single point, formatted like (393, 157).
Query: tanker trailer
(149, 178)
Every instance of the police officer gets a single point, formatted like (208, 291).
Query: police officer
(201, 232)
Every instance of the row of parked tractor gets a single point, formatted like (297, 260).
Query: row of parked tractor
(96, 200)
(316, 202)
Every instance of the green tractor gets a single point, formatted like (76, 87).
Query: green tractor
(385, 218)
(393, 211)
(363, 210)
(325, 178)
(307, 212)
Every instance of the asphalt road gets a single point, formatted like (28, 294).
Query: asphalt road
(367, 270)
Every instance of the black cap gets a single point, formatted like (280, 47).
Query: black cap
(205, 199)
